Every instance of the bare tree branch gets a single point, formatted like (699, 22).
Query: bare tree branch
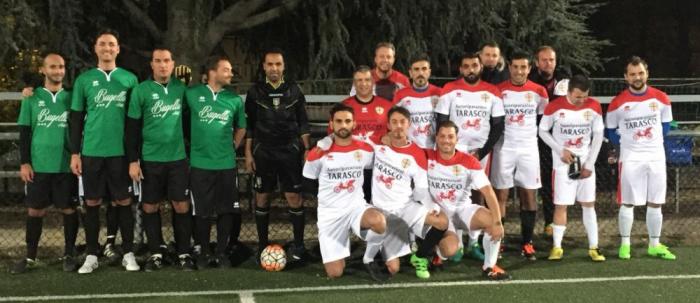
(265, 16)
(140, 17)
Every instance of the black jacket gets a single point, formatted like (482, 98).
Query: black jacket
(559, 74)
(276, 116)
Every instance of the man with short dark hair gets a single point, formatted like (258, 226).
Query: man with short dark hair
(156, 153)
(495, 69)
(276, 144)
(217, 125)
(98, 114)
(43, 126)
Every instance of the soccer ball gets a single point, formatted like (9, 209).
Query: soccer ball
(273, 258)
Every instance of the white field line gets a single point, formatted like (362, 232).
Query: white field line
(248, 294)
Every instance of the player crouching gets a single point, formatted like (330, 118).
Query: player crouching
(451, 175)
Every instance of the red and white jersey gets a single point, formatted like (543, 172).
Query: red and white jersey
(471, 108)
(339, 172)
(450, 181)
(386, 88)
(397, 173)
(370, 117)
(638, 120)
(522, 104)
(421, 105)
(572, 127)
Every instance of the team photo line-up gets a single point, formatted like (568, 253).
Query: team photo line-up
(403, 159)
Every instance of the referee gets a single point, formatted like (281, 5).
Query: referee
(276, 144)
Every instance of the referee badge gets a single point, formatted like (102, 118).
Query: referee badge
(405, 163)
(276, 102)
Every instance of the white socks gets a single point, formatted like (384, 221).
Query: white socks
(625, 220)
(654, 222)
(490, 251)
(374, 244)
(558, 234)
(590, 222)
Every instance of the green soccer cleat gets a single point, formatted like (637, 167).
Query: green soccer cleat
(661, 251)
(474, 252)
(457, 257)
(624, 252)
(421, 265)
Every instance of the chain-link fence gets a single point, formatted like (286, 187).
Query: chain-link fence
(681, 212)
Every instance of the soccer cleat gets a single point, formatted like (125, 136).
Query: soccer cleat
(421, 265)
(496, 273)
(297, 252)
(69, 264)
(528, 251)
(376, 272)
(474, 252)
(661, 251)
(624, 252)
(112, 255)
(224, 261)
(557, 253)
(129, 262)
(23, 266)
(457, 257)
(89, 265)
(596, 255)
(549, 230)
(436, 262)
(501, 249)
(187, 263)
(154, 262)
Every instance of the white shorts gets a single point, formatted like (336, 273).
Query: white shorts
(395, 243)
(516, 167)
(460, 218)
(567, 191)
(334, 232)
(641, 182)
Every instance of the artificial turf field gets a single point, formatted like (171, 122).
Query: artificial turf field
(574, 279)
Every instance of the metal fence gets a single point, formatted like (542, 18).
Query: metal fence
(681, 213)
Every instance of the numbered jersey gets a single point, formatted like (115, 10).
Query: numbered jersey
(339, 172)
(522, 104)
(572, 127)
(397, 173)
(421, 105)
(638, 119)
(471, 108)
(451, 181)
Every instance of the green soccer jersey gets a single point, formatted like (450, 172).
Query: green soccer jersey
(103, 98)
(161, 109)
(47, 114)
(213, 117)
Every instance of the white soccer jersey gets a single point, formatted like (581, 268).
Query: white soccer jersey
(471, 108)
(421, 105)
(397, 173)
(638, 120)
(572, 127)
(450, 181)
(522, 104)
(339, 171)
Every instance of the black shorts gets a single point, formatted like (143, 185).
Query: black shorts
(273, 163)
(164, 181)
(106, 177)
(214, 192)
(59, 189)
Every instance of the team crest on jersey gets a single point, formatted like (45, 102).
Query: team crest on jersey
(653, 106)
(405, 163)
(357, 156)
(202, 99)
(276, 102)
(456, 170)
(379, 110)
(485, 97)
(155, 96)
(587, 115)
(95, 83)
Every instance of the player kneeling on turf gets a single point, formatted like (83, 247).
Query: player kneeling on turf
(577, 124)
(341, 205)
(451, 175)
